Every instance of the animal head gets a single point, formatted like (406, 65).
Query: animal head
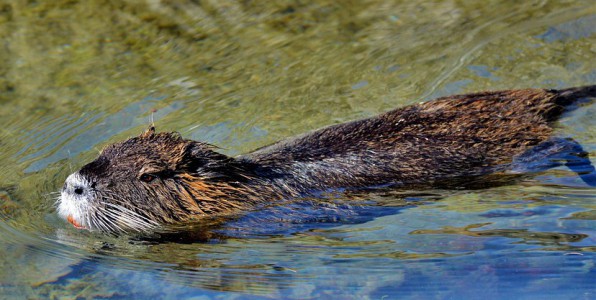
(150, 180)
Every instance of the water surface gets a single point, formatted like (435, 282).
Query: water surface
(75, 77)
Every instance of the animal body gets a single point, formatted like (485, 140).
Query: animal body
(161, 178)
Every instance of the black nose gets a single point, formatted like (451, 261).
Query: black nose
(77, 185)
(79, 190)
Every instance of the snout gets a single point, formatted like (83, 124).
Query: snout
(74, 200)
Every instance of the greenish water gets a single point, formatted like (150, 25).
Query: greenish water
(76, 76)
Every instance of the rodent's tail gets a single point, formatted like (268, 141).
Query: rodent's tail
(569, 96)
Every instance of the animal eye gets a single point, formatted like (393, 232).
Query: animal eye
(147, 178)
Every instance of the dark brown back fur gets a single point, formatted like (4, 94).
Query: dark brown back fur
(449, 137)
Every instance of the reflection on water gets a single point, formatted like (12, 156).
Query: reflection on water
(528, 237)
(77, 76)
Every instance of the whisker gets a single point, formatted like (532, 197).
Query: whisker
(132, 213)
(132, 219)
(102, 216)
(110, 223)
(131, 226)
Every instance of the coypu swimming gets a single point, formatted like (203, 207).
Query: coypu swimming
(160, 178)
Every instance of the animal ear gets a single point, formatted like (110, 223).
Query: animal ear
(204, 150)
(201, 155)
(149, 132)
(201, 159)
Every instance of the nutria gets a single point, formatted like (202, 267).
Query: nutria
(160, 178)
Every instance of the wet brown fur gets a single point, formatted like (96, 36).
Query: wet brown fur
(429, 144)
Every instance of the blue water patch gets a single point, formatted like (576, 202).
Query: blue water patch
(574, 30)
(590, 77)
(61, 130)
(69, 143)
(483, 71)
(360, 85)
(508, 213)
(452, 88)
(224, 134)
(393, 68)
